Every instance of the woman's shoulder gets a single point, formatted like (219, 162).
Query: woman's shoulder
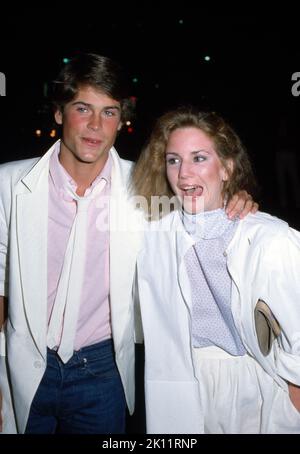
(267, 229)
(264, 222)
(161, 231)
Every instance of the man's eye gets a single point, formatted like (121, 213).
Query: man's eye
(82, 109)
(109, 113)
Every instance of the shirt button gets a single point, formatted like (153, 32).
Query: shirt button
(225, 254)
(37, 364)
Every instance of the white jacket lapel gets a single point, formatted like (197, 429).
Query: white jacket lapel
(32, 228)
(124, 244)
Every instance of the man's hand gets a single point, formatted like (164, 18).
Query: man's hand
(240, 205)
(294, 392)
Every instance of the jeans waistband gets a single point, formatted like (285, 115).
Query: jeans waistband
(90, 351)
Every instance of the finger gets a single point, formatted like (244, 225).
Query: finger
(247, 209)
(232, 204)
(255, 208)
(243, 204)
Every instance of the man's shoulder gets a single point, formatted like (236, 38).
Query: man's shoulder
(15, 169)
(126, 164)
(117, 158)
(124, 167)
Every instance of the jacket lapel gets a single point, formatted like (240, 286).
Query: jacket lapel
(183, 243)
(32, 228)
(125, 238)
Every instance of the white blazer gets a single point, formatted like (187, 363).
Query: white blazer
(23, 274)
(264, 262)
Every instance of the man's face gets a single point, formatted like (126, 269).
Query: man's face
(90, 124)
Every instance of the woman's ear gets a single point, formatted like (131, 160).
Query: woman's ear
(227, 170)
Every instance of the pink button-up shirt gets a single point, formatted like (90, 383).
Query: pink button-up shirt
(94, 314)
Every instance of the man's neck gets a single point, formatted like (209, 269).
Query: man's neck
(81, 172)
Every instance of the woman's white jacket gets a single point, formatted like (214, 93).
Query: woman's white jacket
(263, 260)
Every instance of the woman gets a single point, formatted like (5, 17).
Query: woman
(209, 289)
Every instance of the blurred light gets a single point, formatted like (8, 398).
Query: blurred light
(53, 133)
(130, 130)
(180, 21)
(135, 80)
(207, 58)
(66, 60)
(128, 123)
(156, 85)
(38, 132)
(133, 100)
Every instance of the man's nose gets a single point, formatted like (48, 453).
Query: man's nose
(94, 122)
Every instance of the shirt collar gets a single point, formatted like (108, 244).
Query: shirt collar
(61, 178)
(208, 224)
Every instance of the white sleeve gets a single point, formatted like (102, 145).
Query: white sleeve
(2, 344)
(283, 293)
(3, 253)
(138, 327)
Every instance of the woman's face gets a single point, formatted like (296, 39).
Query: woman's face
(194, 170)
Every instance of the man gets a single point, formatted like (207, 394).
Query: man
(66, 270)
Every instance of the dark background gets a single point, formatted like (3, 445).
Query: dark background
(248, 80)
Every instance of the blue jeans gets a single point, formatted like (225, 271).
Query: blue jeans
(83, 396)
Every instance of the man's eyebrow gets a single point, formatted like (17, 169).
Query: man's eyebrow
(112, 107)
(90, 105)
(80, 102)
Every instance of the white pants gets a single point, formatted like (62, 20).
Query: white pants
(239, 397)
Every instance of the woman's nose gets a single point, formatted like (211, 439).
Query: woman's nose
(185, 170)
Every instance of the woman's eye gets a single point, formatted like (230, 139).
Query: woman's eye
(199, 158)
(172, 161)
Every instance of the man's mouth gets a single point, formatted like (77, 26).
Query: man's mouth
(91, 141)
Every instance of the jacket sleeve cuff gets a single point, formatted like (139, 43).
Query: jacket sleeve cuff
(3, 289)
(2, 344)
(288, 367)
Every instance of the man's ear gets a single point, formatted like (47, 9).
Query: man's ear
(58, 117)
(120, 126)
